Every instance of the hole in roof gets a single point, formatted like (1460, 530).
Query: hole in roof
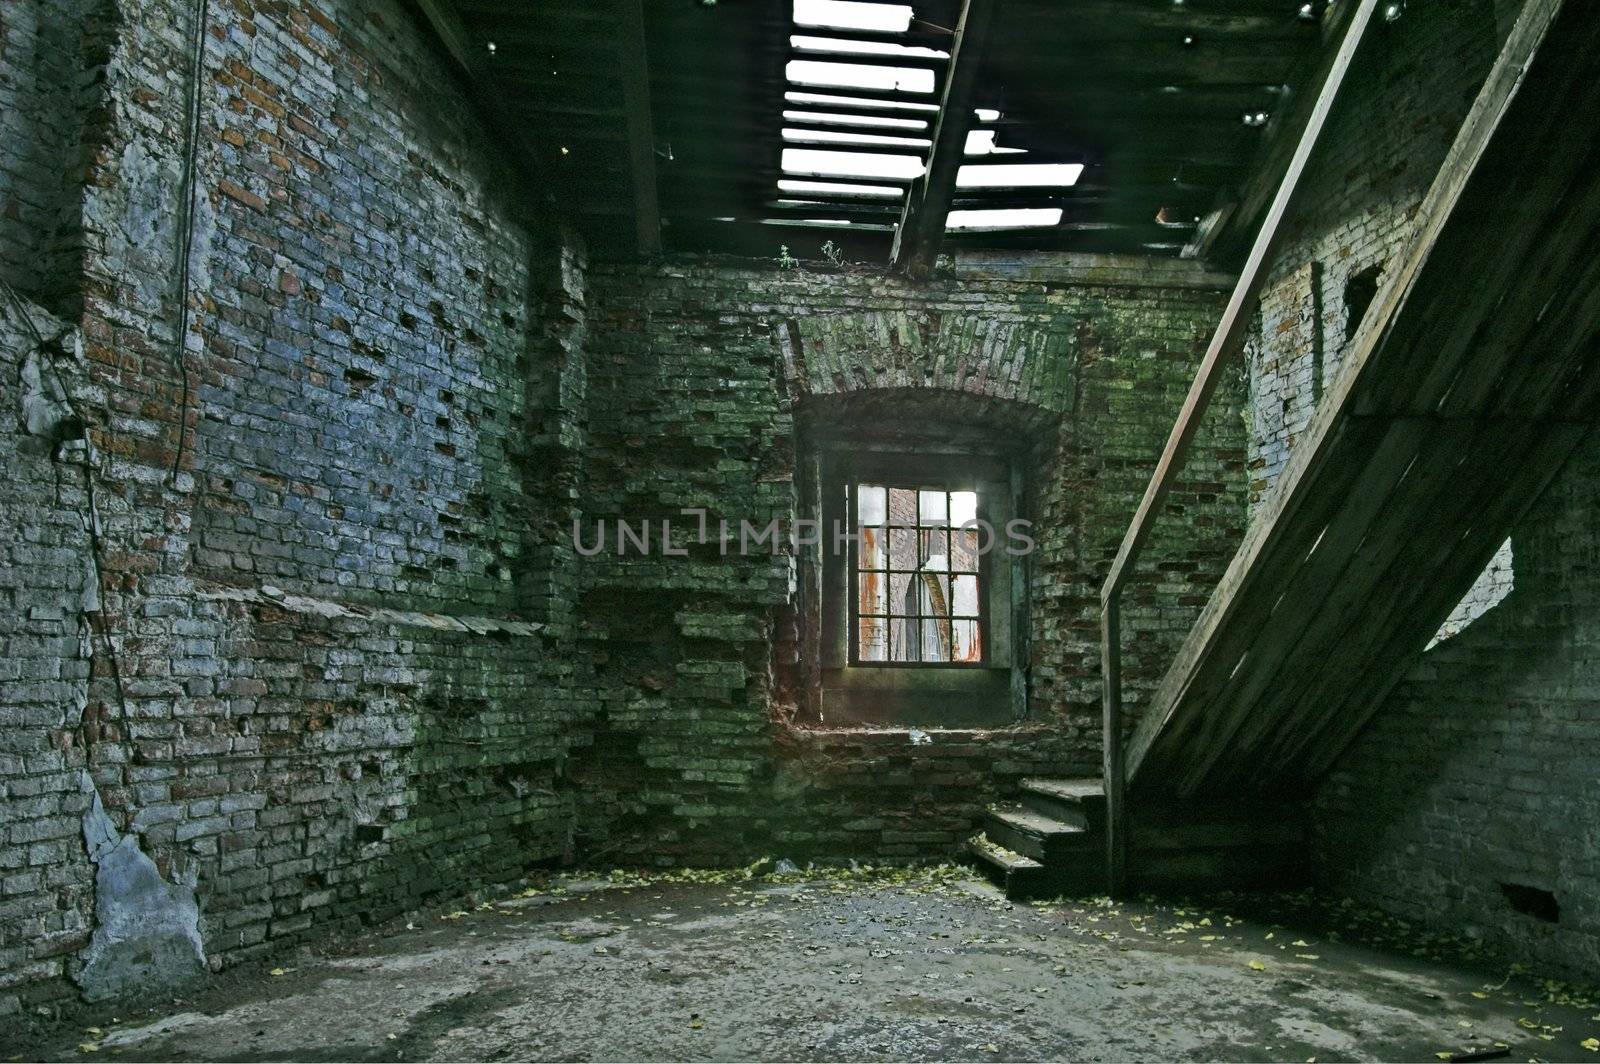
(858, 101)
(828, 118)
(814, 162)
(987, 114)
(837, 188)
(981, 142)
(1019, 175)
(842, 46)
(834, 222)
(859, 76)
(853, 15)
(841, 136)
(1004, 218)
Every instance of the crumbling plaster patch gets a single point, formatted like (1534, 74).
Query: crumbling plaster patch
(147, 930)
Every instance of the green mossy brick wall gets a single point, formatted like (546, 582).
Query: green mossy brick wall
(701, 376)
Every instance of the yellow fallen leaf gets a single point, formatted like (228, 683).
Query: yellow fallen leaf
(93, 1030)
(88, 1047)
(279, 971)
(1444, 1054)
(1309, 956)
(1480, 995)
(990, 1047)
(1302, 943)
(1257, 966)
(1591, 1044)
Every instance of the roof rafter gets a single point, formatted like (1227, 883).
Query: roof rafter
(641, 126)
(921, 229)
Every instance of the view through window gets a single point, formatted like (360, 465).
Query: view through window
(917, 573)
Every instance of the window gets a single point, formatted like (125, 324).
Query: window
(921, 605)
(917, 565)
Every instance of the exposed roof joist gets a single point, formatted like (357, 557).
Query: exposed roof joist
(641, 127)
(922, 221)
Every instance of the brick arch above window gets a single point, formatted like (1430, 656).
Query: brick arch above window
(1026, 359)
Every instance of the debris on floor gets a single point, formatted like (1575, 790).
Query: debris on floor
(772, 962)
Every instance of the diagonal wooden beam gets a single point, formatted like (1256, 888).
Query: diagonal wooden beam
(921, 229)
(441, 17)
(641, 126)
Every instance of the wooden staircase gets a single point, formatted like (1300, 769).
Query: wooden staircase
(1051, 841)
(1472, 378)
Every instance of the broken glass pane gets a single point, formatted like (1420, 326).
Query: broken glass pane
(870, 506)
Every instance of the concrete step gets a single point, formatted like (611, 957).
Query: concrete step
(1017, 876)
(1033, 834)
(1081, 802)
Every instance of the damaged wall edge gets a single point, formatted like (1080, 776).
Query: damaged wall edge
(147, 934)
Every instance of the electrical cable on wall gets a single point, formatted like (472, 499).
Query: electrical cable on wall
(96, 547)
(186, 206)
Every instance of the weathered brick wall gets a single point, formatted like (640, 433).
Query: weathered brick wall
(307, 685)
(698, 373)
(1480, 769)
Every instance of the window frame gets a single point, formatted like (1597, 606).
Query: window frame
(949, 485)
(849, 693)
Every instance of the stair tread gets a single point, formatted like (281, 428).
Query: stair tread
(998, 855)
(1034, 823)
(1066, 790)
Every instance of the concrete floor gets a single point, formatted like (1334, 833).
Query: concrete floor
(905, 966)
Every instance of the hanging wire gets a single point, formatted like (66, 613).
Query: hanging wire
(186, 206)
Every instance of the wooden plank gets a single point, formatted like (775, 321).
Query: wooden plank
(1245, 666)
(1338, 596)
(1384, 648)
(1114, 764)
(1235, 318)
(916, 241)
(641, 126)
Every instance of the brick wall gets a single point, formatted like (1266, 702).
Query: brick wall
(698, 376)
(288, 583)
(303, 669)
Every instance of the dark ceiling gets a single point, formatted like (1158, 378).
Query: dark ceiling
(1151, 96)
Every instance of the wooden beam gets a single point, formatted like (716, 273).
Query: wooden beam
(641, 125)
(916, 241)
(441, 18)
(1236, 316)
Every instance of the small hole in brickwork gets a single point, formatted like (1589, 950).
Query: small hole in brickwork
(359, 378)
(369, 833)
(408, 319)
(1532, 901)
(1359, 290)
